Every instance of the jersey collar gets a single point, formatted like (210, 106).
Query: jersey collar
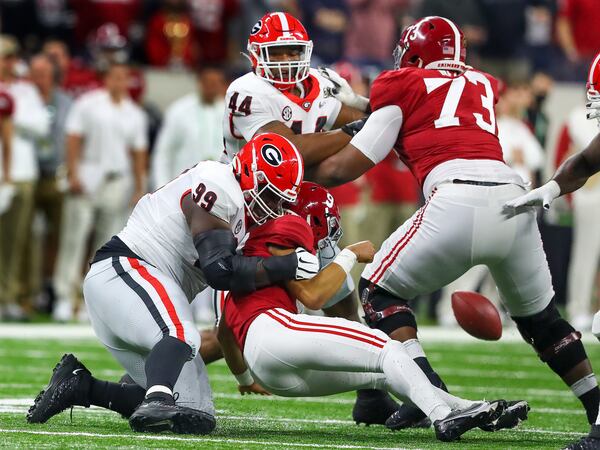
(312, 88)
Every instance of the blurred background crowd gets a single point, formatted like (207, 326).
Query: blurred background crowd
(104, 100)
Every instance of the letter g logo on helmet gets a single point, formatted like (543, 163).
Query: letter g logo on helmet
(271, 154)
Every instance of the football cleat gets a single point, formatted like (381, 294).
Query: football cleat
(159, 415)
(458, 422)
(589, 442)
(69, 386)
(126, 379)
(407, 417)
(514, 413)
(373, 407)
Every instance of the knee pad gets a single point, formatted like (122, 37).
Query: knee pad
(383, 310)
(556, 342)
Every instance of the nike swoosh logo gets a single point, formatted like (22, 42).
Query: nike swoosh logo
(303, 261)
(76, 370)
(321, 104)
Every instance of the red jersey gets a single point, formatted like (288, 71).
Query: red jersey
(7, 104)
(446, 116)
(289, 231)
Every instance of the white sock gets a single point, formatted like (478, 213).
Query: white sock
(584, 385)
(406, 379)
(414, 349)
(453, 401)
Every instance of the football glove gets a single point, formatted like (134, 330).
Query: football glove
(542, 196)
(308, 264)
(353, 128)
(342, 91)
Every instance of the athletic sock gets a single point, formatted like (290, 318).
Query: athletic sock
(164, 364)
(415, 351)
(586, 389)
(121, 398)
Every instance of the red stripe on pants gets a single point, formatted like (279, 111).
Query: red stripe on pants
(315, 330)
(162, 293)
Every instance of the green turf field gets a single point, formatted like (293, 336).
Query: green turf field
(472, 370)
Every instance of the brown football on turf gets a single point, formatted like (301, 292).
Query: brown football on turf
(477, 315)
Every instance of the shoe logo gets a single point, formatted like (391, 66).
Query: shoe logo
(76, 370)
(303, 261)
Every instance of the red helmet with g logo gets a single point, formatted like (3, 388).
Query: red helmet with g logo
(318, 207)
(269, 170)
(433, 42)
(593, 82)
(279, 29)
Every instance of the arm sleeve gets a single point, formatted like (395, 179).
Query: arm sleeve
(140, 138)
(378, 136)
(253, 116)
(75, 119)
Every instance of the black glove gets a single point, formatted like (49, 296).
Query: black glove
(354, 127)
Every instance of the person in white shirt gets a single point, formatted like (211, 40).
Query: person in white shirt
(106, 150)
(31, 125)
(192, 130)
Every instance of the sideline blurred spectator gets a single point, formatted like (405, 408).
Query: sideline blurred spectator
(503, 54)
(373, 30)
(585, 252)
(539, 29)
(520, 148)
(192, 130)
(50, 153)
(31, 123)
(326, 22)
(541, 85)
(578, 34)
(466, 14)
(169, 36)
(75, 77)
(106, 169)
(211, 20)
(92, 14)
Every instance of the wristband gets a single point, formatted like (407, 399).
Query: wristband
(244, 379)
(346, 259)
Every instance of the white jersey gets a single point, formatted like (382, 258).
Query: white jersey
(252, 103)
(157, 230)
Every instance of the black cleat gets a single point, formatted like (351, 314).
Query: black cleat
(451, 427)
(126, 379)
(407, 417)
(589, 442)
(69, 386)
(158, 415)
(373, 407)
(514, 413)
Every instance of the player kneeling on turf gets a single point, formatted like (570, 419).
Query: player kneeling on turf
(296, 355)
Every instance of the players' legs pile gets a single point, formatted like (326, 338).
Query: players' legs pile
(143, 318)
(299, 355)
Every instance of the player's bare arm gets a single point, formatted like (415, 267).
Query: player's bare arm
(576, 170)
(314, 147)
(224, 269)
(317, 291)
(235, 361)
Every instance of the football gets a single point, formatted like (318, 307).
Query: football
(477, 315)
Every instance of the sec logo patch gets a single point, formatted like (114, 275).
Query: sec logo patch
(286, 113)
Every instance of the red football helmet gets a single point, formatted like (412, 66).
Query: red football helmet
(269, 170)
(318, 207)
(433, 42)
(279, 29)
(593, 82)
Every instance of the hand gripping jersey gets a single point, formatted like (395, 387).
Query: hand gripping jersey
(157, 230)
(288, 231)
(445, 117)
(252, 103)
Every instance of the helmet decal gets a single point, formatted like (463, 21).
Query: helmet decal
(271, 154)
(256, 28)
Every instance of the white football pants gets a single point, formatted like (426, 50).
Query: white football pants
(132, 305)
(461, 226)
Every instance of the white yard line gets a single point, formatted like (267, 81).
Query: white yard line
(192, 439)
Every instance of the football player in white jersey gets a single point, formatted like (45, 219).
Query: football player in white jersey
(178, 240)
(284, 95)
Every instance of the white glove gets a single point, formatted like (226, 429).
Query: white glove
(308, 264)
(343, 91)
(542, 196)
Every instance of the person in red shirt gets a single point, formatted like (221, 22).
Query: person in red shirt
(297, 355)
(437, 114)
(577, 29)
